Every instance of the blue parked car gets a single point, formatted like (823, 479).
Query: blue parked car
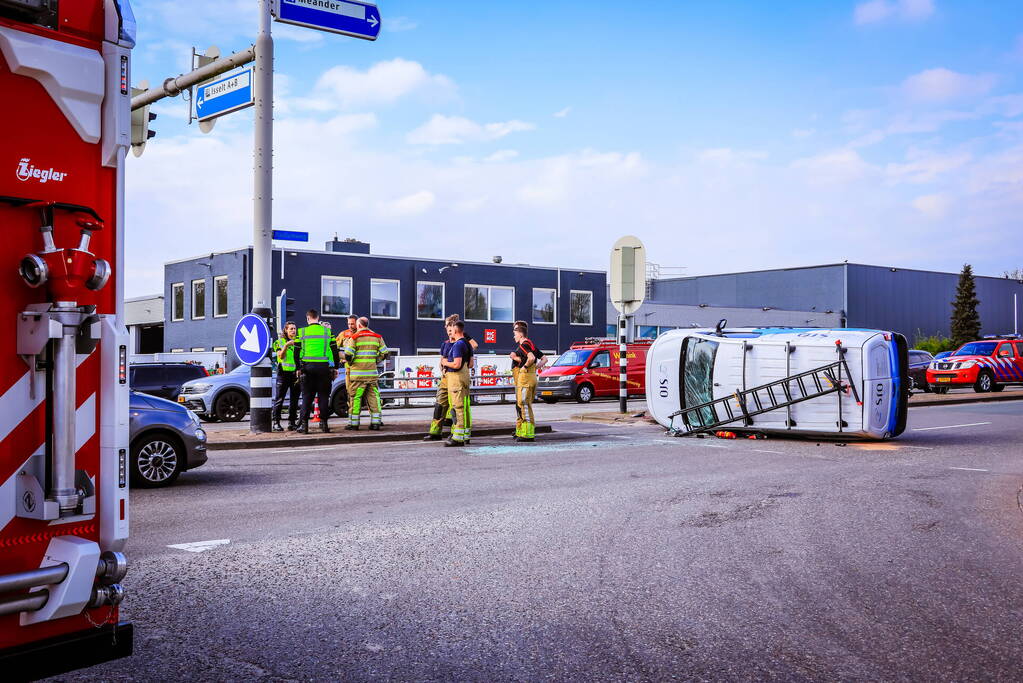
(225, 398)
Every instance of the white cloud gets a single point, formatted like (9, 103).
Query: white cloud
(876, 11)
(562, 113)
(837, 167)
(399, 24)
(502, 155)
(923, 168)
(726, 156)
(453, 130)
(383, 83)
(409, 205)
(802, 133)
(932, 205)
(940, 84)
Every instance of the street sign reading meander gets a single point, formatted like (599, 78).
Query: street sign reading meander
(251, 339)
(225, 94)
(347, 17)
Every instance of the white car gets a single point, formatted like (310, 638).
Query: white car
(849, 383)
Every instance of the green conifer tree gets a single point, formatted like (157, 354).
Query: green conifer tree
(965, 319)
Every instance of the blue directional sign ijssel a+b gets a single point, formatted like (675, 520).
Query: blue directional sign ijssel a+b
(224, 94)
(251, 339)
(347, 17)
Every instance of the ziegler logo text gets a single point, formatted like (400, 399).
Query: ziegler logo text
(27, 171)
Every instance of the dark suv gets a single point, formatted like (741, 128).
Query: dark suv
(163, 379)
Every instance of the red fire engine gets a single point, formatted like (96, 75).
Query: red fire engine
(65, 126)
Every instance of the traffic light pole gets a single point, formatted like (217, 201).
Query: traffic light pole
(260, 380)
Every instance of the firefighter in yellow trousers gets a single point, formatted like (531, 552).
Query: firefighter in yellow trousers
(455, 366)
(363, 350)
(442, 414)
(524, 359)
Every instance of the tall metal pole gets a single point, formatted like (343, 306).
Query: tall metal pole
(262, 205)
(623, 360)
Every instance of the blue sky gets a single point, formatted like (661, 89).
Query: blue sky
(726, 135)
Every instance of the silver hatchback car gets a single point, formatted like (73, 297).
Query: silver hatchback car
(166, 440)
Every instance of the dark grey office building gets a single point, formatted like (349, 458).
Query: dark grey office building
(912, 302)
(406, 298)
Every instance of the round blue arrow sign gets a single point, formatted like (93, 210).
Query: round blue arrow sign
(251, 339)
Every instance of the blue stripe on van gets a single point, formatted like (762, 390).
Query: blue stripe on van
(893, 358)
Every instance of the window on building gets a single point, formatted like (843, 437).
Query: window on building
(430, 300)
(383, 298)
(487, 303)
(544, 302)
(580, 308)
(220, 296)
(662, 329)
(646, 331)
(612, 331)
(335, 295)
(221, 349)
(177, 350)
(178, 301)
(198, 349)
(198, 299)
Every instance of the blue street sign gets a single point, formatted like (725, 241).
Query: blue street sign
(226, 93)
(251, 339)
(348, 17)
(290, 235)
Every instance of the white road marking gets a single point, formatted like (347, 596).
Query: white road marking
(200, 546)
(969, 469)
(919, 448)
(761, 450)
(969, 424)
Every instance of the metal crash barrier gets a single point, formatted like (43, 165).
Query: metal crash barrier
(482, 385)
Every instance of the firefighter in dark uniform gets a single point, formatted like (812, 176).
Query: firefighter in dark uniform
(287, 378)
(318, 362)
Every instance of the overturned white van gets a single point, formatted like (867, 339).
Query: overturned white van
(846, 383)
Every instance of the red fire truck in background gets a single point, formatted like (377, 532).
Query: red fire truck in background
(65, 127)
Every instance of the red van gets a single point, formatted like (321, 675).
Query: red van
(590, 369)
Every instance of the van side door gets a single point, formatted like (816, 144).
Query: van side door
(602, 375)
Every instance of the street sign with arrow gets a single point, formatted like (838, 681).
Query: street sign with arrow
(348, 17)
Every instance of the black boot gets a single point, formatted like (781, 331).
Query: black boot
(352, 428)
(303, 428)
(324, 427)
(452, 442)
(277, 426)
(292, 426)
(432, 437)
(375, 428)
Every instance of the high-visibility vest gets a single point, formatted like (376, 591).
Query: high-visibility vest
(315, 340)
(288, 362)
(364, 350)
(342, 340)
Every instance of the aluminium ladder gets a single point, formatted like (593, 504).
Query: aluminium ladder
(821, 381)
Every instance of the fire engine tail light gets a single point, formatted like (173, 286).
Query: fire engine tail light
(124, 75)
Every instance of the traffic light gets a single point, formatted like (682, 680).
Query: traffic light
(285, 310)
(140, 120)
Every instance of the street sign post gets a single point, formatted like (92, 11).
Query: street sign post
(251, 339)
(347, 17)
(628, 290)
(290, 236)
(225, 94)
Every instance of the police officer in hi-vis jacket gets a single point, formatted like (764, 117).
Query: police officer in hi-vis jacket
(318, 362)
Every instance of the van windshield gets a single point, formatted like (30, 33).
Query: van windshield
(573, 357)
(698, 377)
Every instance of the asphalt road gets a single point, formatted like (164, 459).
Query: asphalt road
(600, 553)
